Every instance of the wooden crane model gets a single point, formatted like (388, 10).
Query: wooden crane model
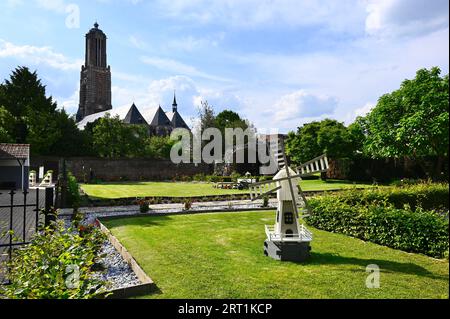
(288, 239)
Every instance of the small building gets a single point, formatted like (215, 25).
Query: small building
(14, 166)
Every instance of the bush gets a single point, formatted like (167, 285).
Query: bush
(199, 177)
(143, 205)
(44, 268)
(377, 217)
(425, 195)
(73, 191)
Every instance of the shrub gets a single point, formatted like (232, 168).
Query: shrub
(143, 205)
(376, 217)
(265, 201)
(73, 191)
(44, 268)
(199, 177)
(187, 204)
(426, 196)
(234, 176)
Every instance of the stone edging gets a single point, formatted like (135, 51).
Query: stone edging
(147, 285)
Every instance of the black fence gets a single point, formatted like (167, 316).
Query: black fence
(20, 219)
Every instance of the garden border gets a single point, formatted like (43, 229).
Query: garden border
(124, 201)
(147, 285)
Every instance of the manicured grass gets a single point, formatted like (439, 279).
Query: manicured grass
(179, 189)
(221, 256)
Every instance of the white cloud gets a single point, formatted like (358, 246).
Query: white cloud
(406, 17)
(70, 104)
(364, 110)
(137, 42)
(303, 104)
(174, 66)
(58, 6)
(38, 55)
(336, 15)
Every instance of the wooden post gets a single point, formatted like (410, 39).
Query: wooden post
(49, 204)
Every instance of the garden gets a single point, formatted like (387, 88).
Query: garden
(220, 255)
(192, 189)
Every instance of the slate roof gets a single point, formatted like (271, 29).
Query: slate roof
(160, 118)
(134, 116)
(14, 151)
(152, 115)
(178, 122)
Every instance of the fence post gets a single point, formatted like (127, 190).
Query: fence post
(49, 204)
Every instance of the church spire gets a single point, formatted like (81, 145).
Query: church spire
(174, 104)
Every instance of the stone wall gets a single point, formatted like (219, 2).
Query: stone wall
(122, 169)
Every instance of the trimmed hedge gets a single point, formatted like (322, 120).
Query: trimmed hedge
(375, 217)
(428, 196)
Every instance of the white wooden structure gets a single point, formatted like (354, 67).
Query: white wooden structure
(288, 239)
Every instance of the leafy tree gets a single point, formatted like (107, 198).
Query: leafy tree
(6, 126)
(229, 119)
(314, 139)
(158, 147)
(206, 115)
(112, 138)
(34, 118)
(412, 121)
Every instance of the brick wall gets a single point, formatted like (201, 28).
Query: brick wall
(122, 169)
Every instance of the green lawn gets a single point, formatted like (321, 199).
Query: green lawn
(179, 189)
(221, 256)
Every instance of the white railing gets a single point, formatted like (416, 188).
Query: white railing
(303, 234)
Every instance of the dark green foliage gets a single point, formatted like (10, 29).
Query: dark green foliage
(112, 138)
(33, 118)
(143, 205)
(158, 147)
(413, 120)
(73, 191)
(414, 219)
(316, 138)
(39, 270)
(428, 196)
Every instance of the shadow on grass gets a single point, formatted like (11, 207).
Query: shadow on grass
(136, 220)
(385, 265)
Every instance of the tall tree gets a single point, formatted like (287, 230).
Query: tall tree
(112, 138)
(315, 138)
(412, 121)
(6, 126)
(35, 118)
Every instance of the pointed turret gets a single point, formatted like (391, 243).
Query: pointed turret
(134, 116)
(174, 104)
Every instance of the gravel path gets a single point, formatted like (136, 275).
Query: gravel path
(118, 273)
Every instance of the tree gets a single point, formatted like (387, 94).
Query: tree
(229, 119)
(6, 126)
(314, 139)
(412, 121)
(158, 147)
(34, 118)
(206, 115)
(112, 138)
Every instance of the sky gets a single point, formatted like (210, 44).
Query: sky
(278, 63)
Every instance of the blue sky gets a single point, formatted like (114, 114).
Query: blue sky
(279, 63)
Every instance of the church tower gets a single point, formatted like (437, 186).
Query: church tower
(95, 80)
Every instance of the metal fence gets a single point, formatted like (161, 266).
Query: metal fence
(20, 219)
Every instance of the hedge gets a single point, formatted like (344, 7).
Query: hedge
(381, 221)
(428, 196)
